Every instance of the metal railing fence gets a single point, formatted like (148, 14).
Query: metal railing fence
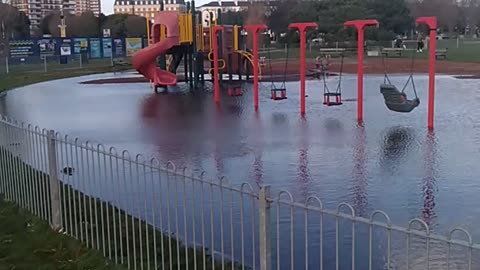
(146, 215)
(46, 64)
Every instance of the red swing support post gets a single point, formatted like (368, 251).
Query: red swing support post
(255, 29)
(360, 26)
(302, 28)
(216, 82)
(431, 22)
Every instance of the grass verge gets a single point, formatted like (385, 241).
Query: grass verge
(35, 73)
(117, 235)
(27, 242)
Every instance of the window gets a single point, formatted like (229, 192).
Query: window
(152, 15)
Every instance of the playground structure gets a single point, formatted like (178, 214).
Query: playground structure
(182, 37)
(179, 35)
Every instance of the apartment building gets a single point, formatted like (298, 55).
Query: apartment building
(82, 6)
(146, 8)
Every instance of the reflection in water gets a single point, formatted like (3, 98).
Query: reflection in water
(335, 131)
(395, 147)
(303, 174)
(429, 186)
(360, 180)
(258, 163)
(218, 141)
(396, 143)
(3, 104)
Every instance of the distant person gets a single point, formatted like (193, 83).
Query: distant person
(399, 43)
(420, 43)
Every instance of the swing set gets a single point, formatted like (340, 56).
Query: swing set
(395, 99)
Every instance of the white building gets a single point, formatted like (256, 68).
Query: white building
(224, 6)
(146, 8)
(82, 6)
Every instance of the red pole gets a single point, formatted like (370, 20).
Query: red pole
(255, 29)
(360, 26)
(431, 22)
(216, 82)
(302, 28)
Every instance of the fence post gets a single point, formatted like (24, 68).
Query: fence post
(264, 230)
(6, 65)
(45, 63)
(56, 219)
(81, 61)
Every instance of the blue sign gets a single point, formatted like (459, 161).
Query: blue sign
(107, 47)
(95, 48)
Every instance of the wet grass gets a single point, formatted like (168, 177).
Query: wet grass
(25, 74)
(96, 225)
(27, 242)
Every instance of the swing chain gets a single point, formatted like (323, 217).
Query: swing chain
(326, 89)
(286, 66)
(410, 78)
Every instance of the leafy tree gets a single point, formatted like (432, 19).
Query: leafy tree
(135, 26)
(13, 23)
(232, 18)
(393, 15)
(116, 24)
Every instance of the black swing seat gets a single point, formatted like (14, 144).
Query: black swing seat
(396, 100)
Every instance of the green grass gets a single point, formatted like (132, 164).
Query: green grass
(25, 74)
(26, 242)
(31, 245)
(467, 51)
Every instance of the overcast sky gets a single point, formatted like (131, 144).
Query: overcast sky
(107, 5)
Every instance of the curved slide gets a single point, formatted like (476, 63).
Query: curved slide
(145, 62)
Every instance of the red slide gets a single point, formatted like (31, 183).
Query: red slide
(145, 60)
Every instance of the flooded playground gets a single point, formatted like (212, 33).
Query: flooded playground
(391, 162)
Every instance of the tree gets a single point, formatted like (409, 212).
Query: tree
(393, 15)
(233, 18)
(279, 19)
(85, 25)
(116, 24)
(13, 23)
(135, 26)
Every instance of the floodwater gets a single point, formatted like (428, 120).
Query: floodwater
(391, 162)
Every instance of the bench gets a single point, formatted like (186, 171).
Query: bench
(119, 64)
(441, 53)
(332, 52)
(392, 52)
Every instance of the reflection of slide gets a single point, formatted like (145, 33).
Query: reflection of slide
(145, 62)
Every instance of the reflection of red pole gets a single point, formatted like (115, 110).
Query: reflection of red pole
(255, 29)
(360, 26)
(431, 22)
(216, 82)
(302, 28)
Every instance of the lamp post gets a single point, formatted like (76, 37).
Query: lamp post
(62, 25)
